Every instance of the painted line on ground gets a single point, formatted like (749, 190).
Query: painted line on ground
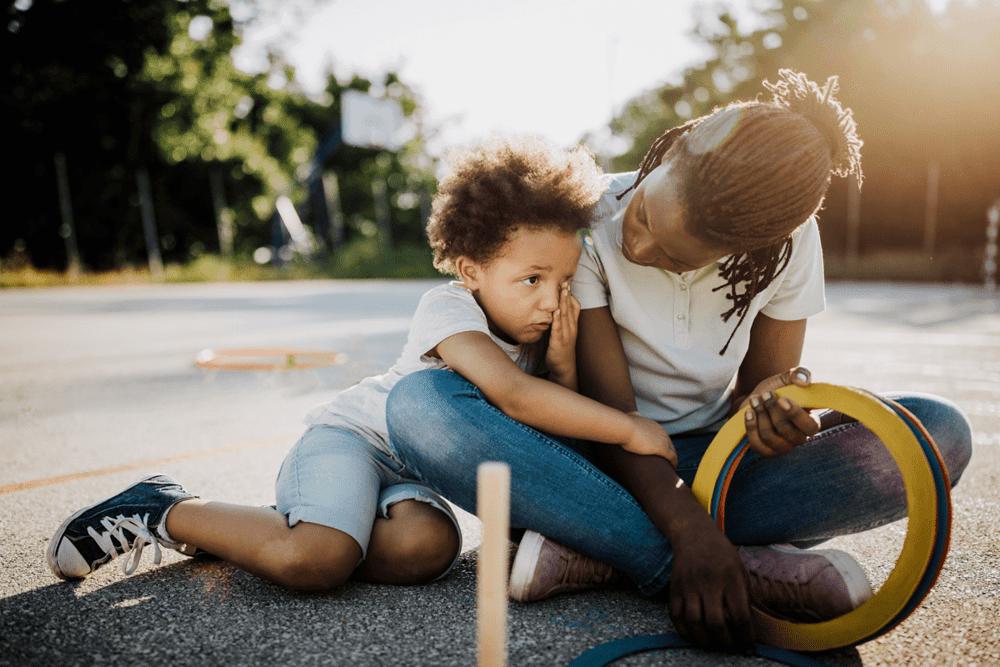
(148, 463)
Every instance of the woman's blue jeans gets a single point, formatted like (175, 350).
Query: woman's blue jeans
(842, 481)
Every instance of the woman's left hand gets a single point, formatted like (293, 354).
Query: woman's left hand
(560, 358)
(776, 426)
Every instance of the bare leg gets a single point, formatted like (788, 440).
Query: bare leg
(307, 556)
(416, 544)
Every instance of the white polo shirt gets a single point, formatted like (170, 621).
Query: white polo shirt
(671, 325)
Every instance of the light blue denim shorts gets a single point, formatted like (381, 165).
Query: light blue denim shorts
(334, 477)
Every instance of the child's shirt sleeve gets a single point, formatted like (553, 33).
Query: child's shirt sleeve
(442, 313)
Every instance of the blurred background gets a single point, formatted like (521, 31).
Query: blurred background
(189, 140)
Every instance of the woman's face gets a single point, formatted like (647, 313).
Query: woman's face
(654, 227)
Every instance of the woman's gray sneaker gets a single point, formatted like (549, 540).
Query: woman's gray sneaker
(804, 585)
(126, 522)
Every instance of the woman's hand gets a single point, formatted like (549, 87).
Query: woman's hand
(709, 588)
(649, 438)
(776, 426)
(560, 358)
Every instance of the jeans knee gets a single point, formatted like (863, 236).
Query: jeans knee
(950, 428)
(413, 395)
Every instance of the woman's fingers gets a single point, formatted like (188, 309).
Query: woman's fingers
(776, 425)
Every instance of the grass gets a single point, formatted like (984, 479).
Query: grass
(360, 259)
(363, 259)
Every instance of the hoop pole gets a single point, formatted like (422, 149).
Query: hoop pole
(493, 505)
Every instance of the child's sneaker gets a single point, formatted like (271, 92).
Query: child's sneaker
(543, 568)
(129, 520)
(804, 586)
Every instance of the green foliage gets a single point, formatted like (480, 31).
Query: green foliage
(151, 84)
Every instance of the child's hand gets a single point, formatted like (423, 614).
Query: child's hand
(560, 358)
(649, 438)
(775, 425)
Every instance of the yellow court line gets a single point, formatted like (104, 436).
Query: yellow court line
(148, 463)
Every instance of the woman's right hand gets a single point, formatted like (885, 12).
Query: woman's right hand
(649, 438)
(709, 587)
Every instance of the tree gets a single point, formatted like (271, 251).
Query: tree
(151, 84)
(918, 84)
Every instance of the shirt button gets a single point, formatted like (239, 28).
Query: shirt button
(684, 288)
(680, 317)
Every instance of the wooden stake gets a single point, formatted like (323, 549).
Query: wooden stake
(493, 504)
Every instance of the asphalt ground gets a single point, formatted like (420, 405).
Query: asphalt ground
(99, 388)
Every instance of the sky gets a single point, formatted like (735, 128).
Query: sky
(558, 68)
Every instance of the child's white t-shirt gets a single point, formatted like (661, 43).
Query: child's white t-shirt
(671, 325)
(444, 311)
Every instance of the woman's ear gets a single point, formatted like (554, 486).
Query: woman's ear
(468, 272)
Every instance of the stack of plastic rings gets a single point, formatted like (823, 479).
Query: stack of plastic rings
(928, 497)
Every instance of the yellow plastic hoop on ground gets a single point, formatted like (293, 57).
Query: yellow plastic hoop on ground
(926, 538)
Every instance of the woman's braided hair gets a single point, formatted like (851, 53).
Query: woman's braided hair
(755, 171)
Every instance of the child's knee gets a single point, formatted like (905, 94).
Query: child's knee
(428, 546)
(316, 558)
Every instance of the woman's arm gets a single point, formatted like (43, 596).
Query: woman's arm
(709, 599)
(545, 405)
(774, 426)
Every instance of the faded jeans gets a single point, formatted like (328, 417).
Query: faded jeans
(841, 481)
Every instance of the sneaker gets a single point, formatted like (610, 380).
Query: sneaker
(543, 568)
(127, 521)
(804, 586)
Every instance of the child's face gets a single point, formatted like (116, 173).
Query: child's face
(519, 290)
(654, 230)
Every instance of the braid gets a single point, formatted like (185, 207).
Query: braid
(757, 268)
(657, 151)
(753, 172)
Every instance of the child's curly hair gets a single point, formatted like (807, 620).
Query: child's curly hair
(505, 185)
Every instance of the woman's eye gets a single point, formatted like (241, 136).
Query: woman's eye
(533, 280)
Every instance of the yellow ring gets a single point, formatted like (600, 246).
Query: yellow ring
(921, 498)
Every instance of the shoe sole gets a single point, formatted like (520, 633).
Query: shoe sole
(50, 551)
(858, 586)
(523, 569)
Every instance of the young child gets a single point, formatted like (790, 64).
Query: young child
(506, 223)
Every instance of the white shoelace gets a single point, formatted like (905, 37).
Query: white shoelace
(114, 528)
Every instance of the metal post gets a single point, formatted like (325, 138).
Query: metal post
(149, 224)
(331, 189)
(930, 221)
(990, 260)
(381, 196)
(67, 230)
(223, 221)
(853, 220)
(425, 206)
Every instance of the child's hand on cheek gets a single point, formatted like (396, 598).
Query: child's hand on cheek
(560, 358)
